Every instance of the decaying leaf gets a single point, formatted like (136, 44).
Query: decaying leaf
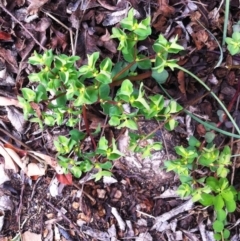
(10, 60)
(35, 5)
(59, 40)
(181, 81)
(8, 161)
(29, 236)
(4, 101)
(200, 38)
(3, 176)
(49, 161)
(16, 118)
(35, 169)
(6, 37)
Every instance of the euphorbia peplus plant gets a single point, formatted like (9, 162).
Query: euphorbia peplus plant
(203, 172)
(63, 93)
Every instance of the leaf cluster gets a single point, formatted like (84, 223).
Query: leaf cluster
(209, 186)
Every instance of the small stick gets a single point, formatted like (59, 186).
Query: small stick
(15, 19)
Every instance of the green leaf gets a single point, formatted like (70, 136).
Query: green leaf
(131, 124)
(102, 145)
(101, 174)
(36, 59)
(218, 226)
(106, 65)
(218, 236)
(193, 141)
(221, 215)
(77, 135)
(231, 206)
(126, 88)
(106, 165)
(160, 77)
(218, 202)
(104, 91)
(114, 121)
(143, 64)
(209, 137)
(206, 199)
(28, 94)
(92, 59)
(171, 124)
(49, 120)
(174, 107)
(76, 171)
(226, 233)
(184, 190)
(104, 77)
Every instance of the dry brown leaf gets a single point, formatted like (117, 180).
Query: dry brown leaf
(8, 161)
(16, 118)
(200, 38)
(3, 175)
(108, 42)
(49, 161)
(35, 169)
(160, 16)
(4, 101)
(15, 157)
(10, 59)
(201, 130)
(43, 25)
(181, 81)
(29, 236)
(59, 40)
(35, 5)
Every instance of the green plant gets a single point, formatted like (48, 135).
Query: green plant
(233, 43)
(61, 94)
(203, 173)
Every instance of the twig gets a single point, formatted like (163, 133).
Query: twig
(14, 138)
(21, 200)
(65, 218)
(15, 19)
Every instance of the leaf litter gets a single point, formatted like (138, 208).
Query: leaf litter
(139, 201)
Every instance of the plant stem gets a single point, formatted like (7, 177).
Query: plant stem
(226, 17)
(213, 94)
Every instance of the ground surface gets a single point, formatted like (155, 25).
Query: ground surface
(129, 205)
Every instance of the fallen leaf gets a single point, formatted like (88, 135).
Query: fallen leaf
(64, 178)
(201, 130)
(181, 81)
(5, 36)
(8, 162)
(59, 40)
(49, 161)
(200, 38)
(15, 157)
(35, 5)
(3, 175)
(35, 169)
(4, 101)
(10, 60)
(19, 151)
(43, 25)
(16, 118)
(29, 236)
